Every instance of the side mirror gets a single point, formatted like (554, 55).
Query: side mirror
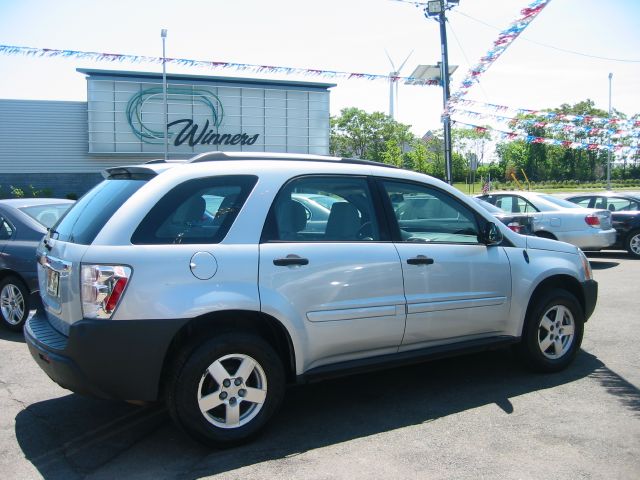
(491, 235)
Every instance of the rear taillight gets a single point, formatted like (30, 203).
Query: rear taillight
(592, 220)
(515, 226)
(102, 288)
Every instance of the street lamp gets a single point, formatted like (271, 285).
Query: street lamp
(163, 34)
(437, 9)
(609, 150)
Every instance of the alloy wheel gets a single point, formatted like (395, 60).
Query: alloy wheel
(12, 304)
(634, 244)
(232, 391)
(556, 332)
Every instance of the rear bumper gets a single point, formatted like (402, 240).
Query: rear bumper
(589, 239)
(109, 359)
(590, 294)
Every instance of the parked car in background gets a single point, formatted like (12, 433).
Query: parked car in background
(519, 223)
(625, 214)
(149, 295)
(23, 223)
(559, 219)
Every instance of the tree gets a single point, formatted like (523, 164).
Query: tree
(542, 161)
(372, 136)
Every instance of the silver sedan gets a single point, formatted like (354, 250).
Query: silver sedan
(558, 219)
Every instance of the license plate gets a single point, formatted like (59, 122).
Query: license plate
(53, 283)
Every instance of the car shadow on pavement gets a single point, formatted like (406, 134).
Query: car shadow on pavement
(73, 436)
(11, 336)
(600, 265)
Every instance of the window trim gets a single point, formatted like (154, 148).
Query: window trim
(250, 180)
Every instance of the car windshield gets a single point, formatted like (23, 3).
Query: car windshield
(46, 215)
(558, 201)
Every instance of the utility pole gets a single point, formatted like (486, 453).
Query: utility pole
(609, 149)
(438, 8)
(446, 119)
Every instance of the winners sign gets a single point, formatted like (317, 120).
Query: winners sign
(183, 130)
(126, 115)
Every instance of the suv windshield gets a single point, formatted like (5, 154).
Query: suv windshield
(87, 217)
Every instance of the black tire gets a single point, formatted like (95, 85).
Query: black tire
(191, 381)
(14, 303)
(632, 244)
(547, 343)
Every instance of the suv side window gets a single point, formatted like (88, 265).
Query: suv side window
(323, 209)
(196, 211)
(426, 214)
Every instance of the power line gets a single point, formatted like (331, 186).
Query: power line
(546, 45)
(465, 57)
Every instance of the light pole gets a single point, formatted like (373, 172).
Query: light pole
(609, 150)
(437, 8)
(163, 34)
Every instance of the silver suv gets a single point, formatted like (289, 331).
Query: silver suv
(213, 283)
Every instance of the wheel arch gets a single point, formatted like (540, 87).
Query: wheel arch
(561, 282)
(206, 326)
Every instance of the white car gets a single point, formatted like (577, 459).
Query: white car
(202, 283)
(558, 219)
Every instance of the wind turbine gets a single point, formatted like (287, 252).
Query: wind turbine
(393, 79)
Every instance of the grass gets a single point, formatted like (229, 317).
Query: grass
(476, 189)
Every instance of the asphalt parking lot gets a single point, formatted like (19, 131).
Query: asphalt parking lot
(479, 416)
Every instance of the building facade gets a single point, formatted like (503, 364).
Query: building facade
(60, 148)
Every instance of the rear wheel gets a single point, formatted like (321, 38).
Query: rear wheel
(633, 243)
(552, 332)
(14, 303)
(225, 390)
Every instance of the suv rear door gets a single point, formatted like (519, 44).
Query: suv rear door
(339, 285)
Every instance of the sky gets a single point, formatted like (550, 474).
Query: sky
(564, 56)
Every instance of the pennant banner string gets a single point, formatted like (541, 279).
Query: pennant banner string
(553, 141)
(504, 40)
(552, 115)
(124, 58)
(617, 130)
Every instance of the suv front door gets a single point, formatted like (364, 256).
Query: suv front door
(456, 287)
(338, 284)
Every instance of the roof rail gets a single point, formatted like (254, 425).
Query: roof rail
(225, 156)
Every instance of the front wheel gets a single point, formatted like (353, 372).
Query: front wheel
(225, 390)
(14, 303)
(633, 243)
(552, 332)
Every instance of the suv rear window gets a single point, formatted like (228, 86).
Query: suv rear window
(85, 219)
(197, 211)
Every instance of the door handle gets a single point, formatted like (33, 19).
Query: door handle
(420, 260)
(290, 260)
